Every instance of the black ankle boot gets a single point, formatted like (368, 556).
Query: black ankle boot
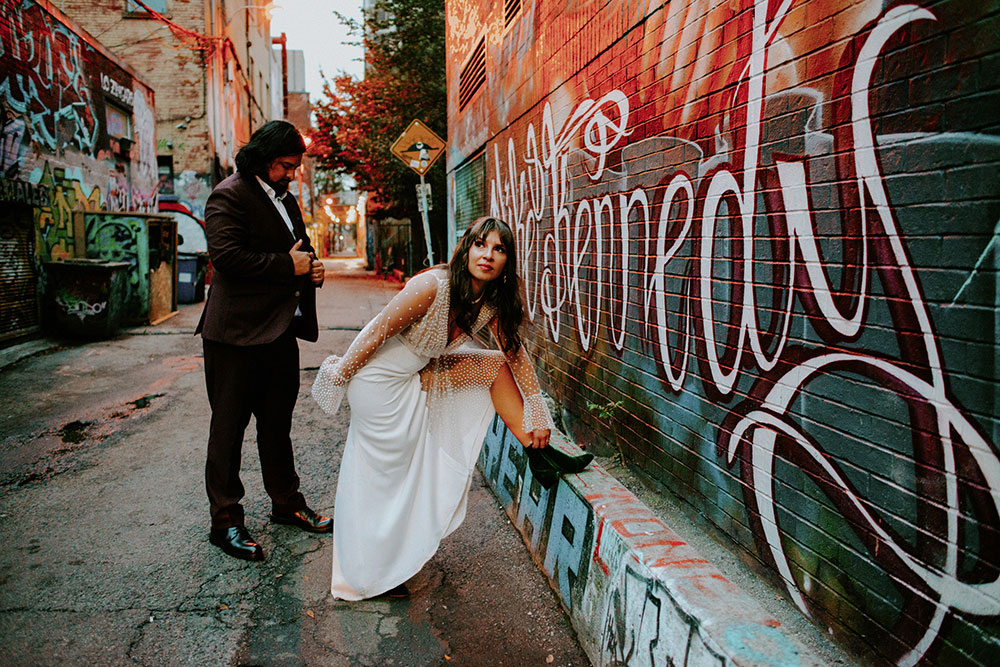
(548, 463)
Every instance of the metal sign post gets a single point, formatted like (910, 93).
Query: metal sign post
(422, 205)
(418, 147)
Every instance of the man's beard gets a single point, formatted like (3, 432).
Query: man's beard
(281, 187)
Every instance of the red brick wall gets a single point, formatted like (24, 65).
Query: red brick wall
(173, 69)
(768, 229)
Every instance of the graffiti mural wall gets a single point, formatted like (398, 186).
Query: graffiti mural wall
(768, 228)
(76, 122)
(637, 593)
(119, 238)
(192, 190)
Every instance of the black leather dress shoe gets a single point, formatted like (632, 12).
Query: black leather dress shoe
(548, 463)
(305, 519)
(397, 592)
(236, 542)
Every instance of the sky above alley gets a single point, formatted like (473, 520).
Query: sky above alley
(313, 27)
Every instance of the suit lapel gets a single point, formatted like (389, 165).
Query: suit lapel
(275, 221)
(298, 225)
(288, 201)
(292, 231)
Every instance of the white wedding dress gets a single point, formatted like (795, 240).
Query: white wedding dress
(420, 408)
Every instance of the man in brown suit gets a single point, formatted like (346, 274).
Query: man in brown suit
(263, 297)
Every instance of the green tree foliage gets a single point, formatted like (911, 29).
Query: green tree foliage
(359, 120)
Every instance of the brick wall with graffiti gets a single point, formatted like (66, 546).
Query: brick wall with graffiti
(78, 127)
(759, 236)
(637, 593)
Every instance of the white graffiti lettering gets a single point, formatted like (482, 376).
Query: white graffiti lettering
(575, 258)
(123, 93)
(81, 309)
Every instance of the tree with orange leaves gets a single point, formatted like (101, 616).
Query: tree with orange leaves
(359, 120)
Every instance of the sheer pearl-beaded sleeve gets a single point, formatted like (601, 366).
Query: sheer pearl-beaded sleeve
(536, 412)
(404, 309)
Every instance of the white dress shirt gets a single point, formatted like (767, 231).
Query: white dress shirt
(272, 195)
(276, 200)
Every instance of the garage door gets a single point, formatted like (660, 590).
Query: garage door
(18, 280)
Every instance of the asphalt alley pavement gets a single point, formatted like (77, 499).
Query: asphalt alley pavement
(104, 524)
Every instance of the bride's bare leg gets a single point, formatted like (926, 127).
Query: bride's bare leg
(509, 405)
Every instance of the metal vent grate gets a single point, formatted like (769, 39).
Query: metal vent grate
(511, 10)
(470, 193)
(473, 75)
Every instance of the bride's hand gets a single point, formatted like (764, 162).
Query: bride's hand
(330, 365)
(330, 384)
(539, 438)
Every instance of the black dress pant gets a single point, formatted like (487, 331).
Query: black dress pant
(258, 380)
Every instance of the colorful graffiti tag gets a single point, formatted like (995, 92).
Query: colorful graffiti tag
(49, 88)
(122, 238)
(753, 236)
(57, 91)
(145, 179)
(638, 594)
(192, 190)
(54, 223)
(76, 307)
(12, 144)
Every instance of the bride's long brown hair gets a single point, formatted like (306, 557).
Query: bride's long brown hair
(504, 291)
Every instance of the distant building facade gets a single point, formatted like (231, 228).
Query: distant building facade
(300, 115)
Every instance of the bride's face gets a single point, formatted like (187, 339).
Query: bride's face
(487, 257)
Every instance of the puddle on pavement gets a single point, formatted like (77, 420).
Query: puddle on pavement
(143, 403)
(74, 431)
(41, 455)
(132, 406)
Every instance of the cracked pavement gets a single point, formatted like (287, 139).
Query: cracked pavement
(104, 525)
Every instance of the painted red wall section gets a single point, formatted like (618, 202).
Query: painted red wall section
(769, 228)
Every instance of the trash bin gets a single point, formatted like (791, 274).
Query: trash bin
(148, 242)
(191, 269)
(85, 297)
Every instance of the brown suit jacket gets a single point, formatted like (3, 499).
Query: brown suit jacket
(254, 290)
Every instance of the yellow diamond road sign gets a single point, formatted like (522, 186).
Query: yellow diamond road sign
(418, 147)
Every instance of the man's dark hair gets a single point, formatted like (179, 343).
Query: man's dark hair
(274, 139)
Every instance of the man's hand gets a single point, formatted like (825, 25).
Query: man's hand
(317, 272)
(301, 260)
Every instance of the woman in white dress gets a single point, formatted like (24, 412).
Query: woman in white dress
(422, 394)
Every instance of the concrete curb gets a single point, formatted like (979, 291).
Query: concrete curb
(634, 591)
(15, 353)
